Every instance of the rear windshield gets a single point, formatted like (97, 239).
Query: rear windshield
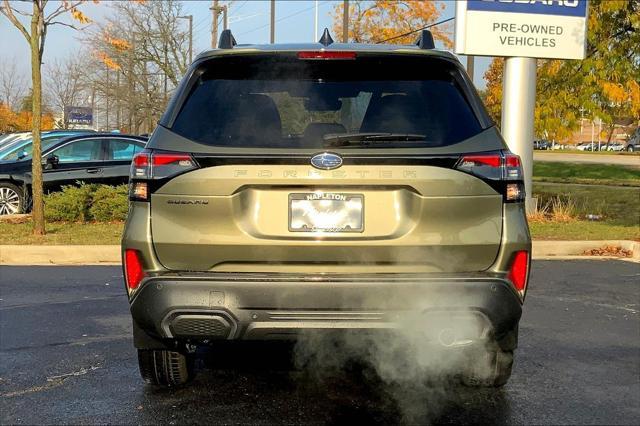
(284, 102)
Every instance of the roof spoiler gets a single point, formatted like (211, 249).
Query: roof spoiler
(425, 41)
(227, 41)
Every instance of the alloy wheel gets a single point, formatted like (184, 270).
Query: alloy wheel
(9, 201)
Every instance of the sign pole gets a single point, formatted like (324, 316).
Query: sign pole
(518, 106)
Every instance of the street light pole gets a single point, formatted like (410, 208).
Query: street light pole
(315, 26)
(273, 22)
(190, 18)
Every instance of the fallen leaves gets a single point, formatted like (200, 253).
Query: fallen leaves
(616, 251)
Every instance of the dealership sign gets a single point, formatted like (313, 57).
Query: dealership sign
(523, 28)
(78, 115)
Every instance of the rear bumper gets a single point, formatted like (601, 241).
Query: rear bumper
(202, 308)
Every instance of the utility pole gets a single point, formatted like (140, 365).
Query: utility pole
(94, 114)
(225, 18)
(106, 98)
(214, 24)
(345, 22)
(470, 66)
(190, 18)
(166, 64)
(273, 21)
(190, 38)
(118, 99)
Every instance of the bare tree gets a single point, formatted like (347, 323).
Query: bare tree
(13, 84)
(38, 23)
(142, 53)
(64, 84)
(163, 39)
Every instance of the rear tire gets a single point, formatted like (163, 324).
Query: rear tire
(165, 368)
(630, 148)
(11, 199)
(491, 369)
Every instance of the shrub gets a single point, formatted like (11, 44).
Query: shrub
(86, 203)
(70, 205)
(109, 203)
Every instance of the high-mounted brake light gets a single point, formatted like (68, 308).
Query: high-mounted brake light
(326, 54)
(518, 274)
(502, 170)
(149, 165)
(133, 268)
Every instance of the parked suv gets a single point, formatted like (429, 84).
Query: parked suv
(311, 188)
(633, 143)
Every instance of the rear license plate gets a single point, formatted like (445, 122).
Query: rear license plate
(326, 212)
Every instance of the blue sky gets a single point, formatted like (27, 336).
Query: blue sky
(248, 19)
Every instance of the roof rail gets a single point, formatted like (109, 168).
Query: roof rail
(425, 41)
(326, 38)
(226, 40)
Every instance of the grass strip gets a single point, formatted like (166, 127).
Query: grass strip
(62, 233)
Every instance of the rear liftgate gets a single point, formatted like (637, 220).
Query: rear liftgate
(326, 214)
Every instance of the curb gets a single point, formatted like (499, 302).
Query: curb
(548, 249)
(110, 254)
(60, 255)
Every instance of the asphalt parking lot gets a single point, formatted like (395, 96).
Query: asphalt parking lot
(66, 357)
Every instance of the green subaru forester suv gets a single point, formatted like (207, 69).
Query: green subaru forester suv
(310, 188)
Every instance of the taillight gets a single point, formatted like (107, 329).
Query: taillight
(149, 165)
(133, 268)
(326, 54)
(501, 169)
(519, 272)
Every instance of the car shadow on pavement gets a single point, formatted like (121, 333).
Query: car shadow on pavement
(262, 383)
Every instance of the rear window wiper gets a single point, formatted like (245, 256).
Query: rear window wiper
(346, 139)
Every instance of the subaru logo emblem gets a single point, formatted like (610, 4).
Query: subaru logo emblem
(326, 161)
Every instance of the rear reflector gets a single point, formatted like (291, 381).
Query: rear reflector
(133, 268)
(518, 273)
(139, 191)
(514, 192)
(323, 54)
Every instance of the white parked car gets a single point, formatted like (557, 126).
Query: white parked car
(587, 146)
(615, 146)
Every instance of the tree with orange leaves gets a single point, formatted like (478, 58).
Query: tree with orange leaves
(39, 22)
(7, 118)
(604, 85)
(382, 20)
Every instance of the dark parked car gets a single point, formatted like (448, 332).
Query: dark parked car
(633, 143)
(541, 145)
(91, 158)
(21, 146)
